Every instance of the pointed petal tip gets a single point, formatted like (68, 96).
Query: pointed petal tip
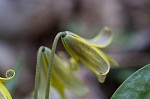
(101, 78)
(113, 62)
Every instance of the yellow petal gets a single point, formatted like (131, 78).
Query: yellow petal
(112, 61)
(4, 91)
(89, 55)
(9, 75)
(58, 86)
(63, 56)
(74, 65)
(103, 39)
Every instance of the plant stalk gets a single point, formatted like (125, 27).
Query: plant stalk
(37, 75)
(50, 67)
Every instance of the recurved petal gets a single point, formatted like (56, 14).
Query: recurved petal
(3, 90)
(9, 75)
(103, 39)
(89, 55)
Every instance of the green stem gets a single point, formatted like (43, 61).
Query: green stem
(37, 75)
(51, 63)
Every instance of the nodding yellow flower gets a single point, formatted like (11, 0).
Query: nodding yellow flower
(3, 90)
(87, 51)
(62, 75)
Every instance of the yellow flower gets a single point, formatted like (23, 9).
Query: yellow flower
(3, 90)
(62, 75)
(88, 52)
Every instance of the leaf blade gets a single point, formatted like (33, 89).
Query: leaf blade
(137, 85)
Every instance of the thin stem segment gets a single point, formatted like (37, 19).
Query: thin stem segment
(51, 63)
(37, 75)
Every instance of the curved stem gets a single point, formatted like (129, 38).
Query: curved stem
(51, 63)
(37, 75)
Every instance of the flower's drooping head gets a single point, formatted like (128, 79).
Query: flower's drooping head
(62, 74)
(87, 52)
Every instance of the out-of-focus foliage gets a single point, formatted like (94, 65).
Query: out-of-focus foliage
(120, 74)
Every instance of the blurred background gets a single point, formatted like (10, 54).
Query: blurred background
(25, 25)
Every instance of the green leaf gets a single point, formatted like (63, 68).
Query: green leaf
(137, 86)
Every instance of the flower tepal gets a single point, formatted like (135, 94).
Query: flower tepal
(82, 50)
(3, 90)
